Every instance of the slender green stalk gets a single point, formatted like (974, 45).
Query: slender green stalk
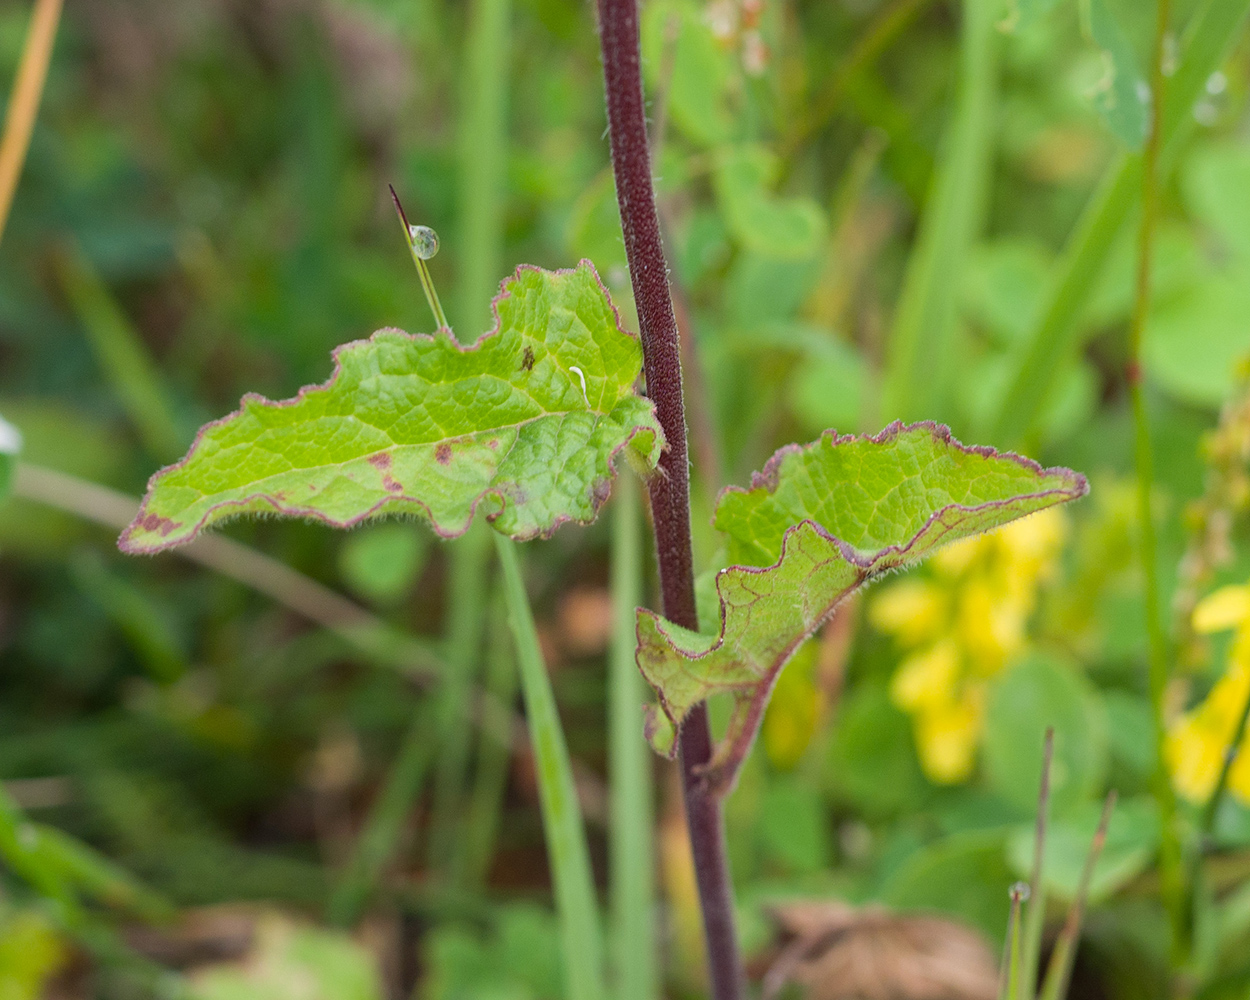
(1059, 971)
(122, 354)
(19, 118)
(483, 160)
(920, 342)
(1056, 335)
(1209, 812)
(1170, 862)
(889, 23)
(482, 182)
(632, 850)
(1035, 921)
(467, 590)
(562, 820)
(1206, 823)
(377, 843)
(491, 776)
(1009, 972)
(422, 244)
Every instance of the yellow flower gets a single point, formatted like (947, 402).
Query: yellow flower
(950, 739)
(794, 709)
(960, 626)
(926, 679)
(913, 610)
(1197, 741)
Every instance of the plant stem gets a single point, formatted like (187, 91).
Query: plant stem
(483, 163)
(469, 566)
(1035, 919)
(355, 625)
(1206, 824)
(885, 28)
(670, 487)
(491, 777)
(122, 354)
(562, 820)
(918, 368)
(377, 842)
(1009, 971)
(19, 120)
(1059, 971)
(1170, 862)
(632, 853)
(482, 141)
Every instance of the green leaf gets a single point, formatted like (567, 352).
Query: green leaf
(1197, 341)
(782, 228)
(683, 57)
(1132, 840)
(1123, 97)
(964, 875)
(1030, 697)
(819, 522)
(420, 425)
(10, 447)
(872, 758)
(382, 562)
(1215, 181)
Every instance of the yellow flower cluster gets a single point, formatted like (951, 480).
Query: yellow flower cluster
(1197, 741)
(961, 625)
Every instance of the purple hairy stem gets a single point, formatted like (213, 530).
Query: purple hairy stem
(670, 487)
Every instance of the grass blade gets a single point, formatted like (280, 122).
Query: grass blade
(1035, 920)
(19, 120)
(493, 754)
(920, 341)
(469, 558)
(483, 143)
(483, 156)
(632, 850)
(1059, 972)
(1009, 974)
(376, 844)
(1056, 335)
(562, 820)
(123, 355)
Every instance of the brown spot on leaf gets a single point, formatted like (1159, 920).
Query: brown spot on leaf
(154, 522)
(392, 484)
(443, 453)
(527, 361)
(380, 459)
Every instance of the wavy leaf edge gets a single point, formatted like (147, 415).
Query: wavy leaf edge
(721, 770)
(600, 492)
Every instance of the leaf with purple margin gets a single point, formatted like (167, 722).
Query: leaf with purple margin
(527, 422)
(819, 522)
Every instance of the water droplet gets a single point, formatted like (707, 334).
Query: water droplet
(1020, 891)
(424, 241)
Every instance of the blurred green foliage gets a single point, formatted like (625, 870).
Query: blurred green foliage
(204, 213)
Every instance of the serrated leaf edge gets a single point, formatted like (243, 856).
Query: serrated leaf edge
(599, 494)
(721, 771)
(769, 478)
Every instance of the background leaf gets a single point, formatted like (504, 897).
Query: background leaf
(1038, 693)
(1123, 95)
